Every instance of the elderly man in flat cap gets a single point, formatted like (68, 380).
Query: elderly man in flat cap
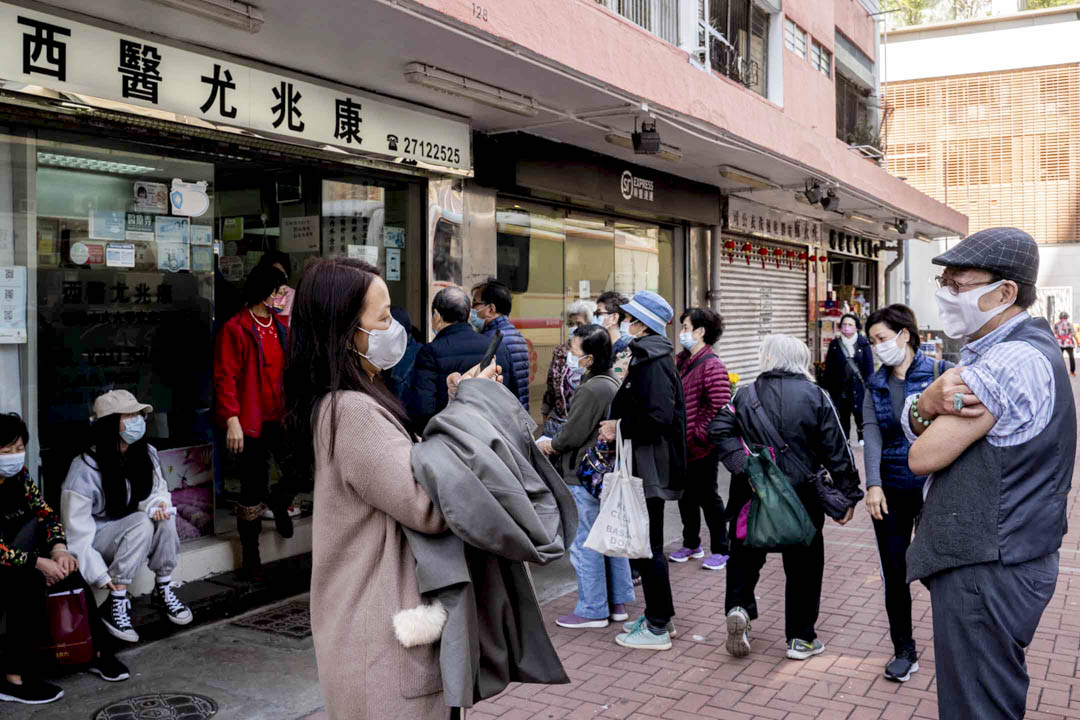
(998, 436)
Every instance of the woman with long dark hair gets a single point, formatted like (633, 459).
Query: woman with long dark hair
(248, 370)
(118, 513)
(604, 583)
(343, 422)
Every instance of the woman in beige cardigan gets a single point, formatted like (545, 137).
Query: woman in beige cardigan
(342, 420)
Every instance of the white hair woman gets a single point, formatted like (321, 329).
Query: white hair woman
(564, 374)
(806, 420)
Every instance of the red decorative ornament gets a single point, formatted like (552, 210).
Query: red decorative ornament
(730, 247)
(764, 253)
(777, 254)
(747, 249)
(790, 259)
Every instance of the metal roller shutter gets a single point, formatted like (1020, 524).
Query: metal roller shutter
(756, 302)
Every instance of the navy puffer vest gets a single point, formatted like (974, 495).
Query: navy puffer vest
(894, 451)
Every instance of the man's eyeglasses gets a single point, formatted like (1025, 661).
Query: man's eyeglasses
(955, 287)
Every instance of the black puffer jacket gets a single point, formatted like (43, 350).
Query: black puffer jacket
(653, 413)
(804, 416)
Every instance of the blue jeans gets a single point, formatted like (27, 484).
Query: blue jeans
(602, 581)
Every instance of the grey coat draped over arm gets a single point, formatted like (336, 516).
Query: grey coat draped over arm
(505, 505)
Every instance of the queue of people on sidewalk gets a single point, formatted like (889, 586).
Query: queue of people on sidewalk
(420, 533)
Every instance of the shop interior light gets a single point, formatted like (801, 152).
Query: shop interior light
(228, 12)
(71, 162)
(742, 177)
(667, 152)
(454, 84)
(860, 217)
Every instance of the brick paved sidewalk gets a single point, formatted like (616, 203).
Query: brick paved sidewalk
(698, 679)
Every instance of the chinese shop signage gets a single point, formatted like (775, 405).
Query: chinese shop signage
(750, 218)
(67, 56)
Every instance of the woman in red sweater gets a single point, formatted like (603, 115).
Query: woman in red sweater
(707, 389)
(249, 363)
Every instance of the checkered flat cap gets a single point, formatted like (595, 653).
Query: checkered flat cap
(1009, 253)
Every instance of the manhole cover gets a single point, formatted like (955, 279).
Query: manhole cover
(291, 620)
(160, 706)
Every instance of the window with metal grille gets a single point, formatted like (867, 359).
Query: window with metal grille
(741, 52)
(794, 38)
(851, 108)
(821, 58)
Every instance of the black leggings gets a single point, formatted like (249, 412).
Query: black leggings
(1072, 359)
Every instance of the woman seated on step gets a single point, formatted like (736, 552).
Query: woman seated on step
(118, 513)
(34, 562)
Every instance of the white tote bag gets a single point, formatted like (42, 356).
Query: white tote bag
(622, 525)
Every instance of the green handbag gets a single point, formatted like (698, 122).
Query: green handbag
(777, 517)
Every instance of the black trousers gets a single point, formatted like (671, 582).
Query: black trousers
(22, 602)
(893, 533)
(985, 615)
(804, 568)
(701, 494)
(253, 466)
(655, 582)
(845, 408)
(1072, 358)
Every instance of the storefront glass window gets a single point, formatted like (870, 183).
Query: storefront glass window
(551, 258)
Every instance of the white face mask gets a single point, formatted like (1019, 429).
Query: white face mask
(11, 465)
(134, 429)
(890, 353)
(385, 347)
(960, 314)
(624, 329)
(687, 340)
(574, 363)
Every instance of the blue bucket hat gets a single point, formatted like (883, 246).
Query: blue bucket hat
(650, 309)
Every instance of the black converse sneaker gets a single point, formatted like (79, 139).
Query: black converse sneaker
(165, 600)
(116, 614)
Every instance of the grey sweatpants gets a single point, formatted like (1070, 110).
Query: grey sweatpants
(128, 542)
(984, 617)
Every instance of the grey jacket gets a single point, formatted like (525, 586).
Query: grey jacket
(505, 505)
(591, 405)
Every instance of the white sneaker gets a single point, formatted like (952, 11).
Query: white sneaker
(738, 633)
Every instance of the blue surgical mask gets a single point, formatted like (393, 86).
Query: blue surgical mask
(134, 429)
(11, 465)
(476, 321)
(624, 329)
(573, 362)
(687, 340)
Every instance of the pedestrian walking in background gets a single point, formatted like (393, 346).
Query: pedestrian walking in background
(610, 316)
(998, 435)
(455, 349)
(563, 377)
(118, 513)
(604, 584)
(706, 389)
(1066, 335)
(652, 412)
(248, 367)
(894, 494)
(491, 306)
(807, 422)
(283, 300)
(848, 363)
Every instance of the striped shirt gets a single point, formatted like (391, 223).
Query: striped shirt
(1012, 379)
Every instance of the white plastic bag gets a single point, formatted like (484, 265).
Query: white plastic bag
(622, 525)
